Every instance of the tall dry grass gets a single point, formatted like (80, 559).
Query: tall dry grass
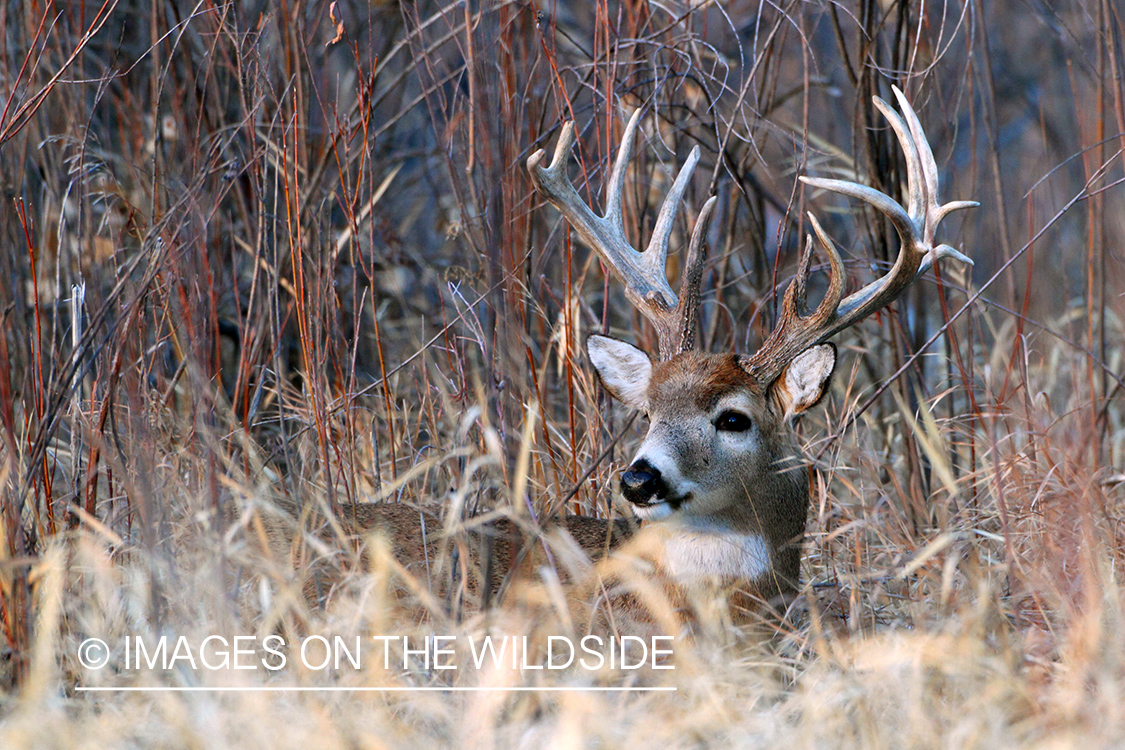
(262, 257)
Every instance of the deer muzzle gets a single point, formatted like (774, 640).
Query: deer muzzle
(642, 484)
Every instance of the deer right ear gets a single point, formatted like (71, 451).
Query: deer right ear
(806, 379)
(624, 370)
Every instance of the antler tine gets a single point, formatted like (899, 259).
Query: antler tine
(615, 188)
(795, 331)
(688, 306)
(642, 272)
(657, 251)
(919, 188)
(915, 226)
(928, 168)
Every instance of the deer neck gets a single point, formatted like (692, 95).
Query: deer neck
(740, 542)
(696, 551)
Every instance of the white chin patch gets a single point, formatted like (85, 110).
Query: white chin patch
(655, 512)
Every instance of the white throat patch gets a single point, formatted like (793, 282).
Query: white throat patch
(699, 555)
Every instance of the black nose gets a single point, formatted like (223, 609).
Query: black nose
(641, 483)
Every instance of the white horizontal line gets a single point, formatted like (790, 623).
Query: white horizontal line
(336, 689)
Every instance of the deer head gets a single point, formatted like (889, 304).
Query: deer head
(719, 460)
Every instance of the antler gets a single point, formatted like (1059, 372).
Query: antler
(642, 272)
(916, 226)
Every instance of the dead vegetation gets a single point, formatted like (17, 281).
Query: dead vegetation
(263, 257)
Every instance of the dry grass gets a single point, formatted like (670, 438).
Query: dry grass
(317, 272)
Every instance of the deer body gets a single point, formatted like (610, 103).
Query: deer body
(718, 484)
(492, 549)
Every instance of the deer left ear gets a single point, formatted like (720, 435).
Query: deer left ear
(624, 370)
(805, 380)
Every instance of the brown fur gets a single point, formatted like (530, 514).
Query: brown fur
(479, 556)
(702, 378)
(763, 492)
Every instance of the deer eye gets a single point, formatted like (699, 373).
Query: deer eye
(733, 421)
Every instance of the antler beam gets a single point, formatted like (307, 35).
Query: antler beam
(643, 273)
(915, 226)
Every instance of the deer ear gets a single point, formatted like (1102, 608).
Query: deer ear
(805, 380)
(624, 369)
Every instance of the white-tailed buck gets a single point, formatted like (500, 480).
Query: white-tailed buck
(718, 483)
